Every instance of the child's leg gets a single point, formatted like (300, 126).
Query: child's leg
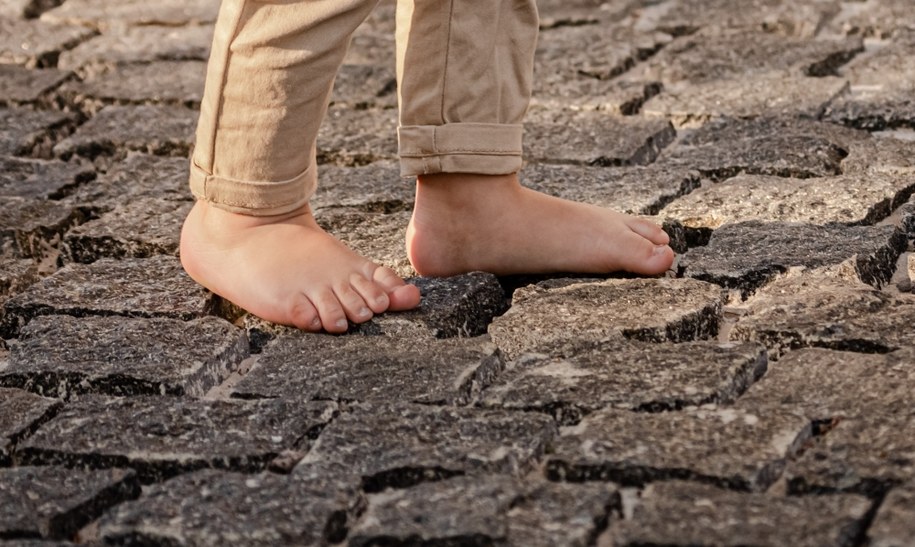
(465, 69)
(251, 237)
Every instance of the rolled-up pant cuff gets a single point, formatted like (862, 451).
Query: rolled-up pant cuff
(480, 148)
(255, 198)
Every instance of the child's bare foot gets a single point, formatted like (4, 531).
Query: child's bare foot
(287, 270)
(466, 222)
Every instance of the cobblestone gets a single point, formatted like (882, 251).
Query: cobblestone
(35, 43)
(893, 523)
(26, 132)
(142, 44)
(156, 82)
(21, 413)
(27, 178)
(20, 86)
(30, 226)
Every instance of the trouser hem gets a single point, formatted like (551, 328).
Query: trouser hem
(255, 198)
(480, 148)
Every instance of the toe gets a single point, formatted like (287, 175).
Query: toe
(649, 230)
(353, 304)
(373, 295)
(333, 318)
(644, 257)
(402, 295)
(304, 315)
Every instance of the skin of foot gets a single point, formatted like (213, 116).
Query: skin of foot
(287, 270)
(490, 223)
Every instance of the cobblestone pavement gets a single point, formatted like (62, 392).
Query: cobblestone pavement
(763, 392)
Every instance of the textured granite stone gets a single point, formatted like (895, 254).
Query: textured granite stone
(683, 513)
(846, 199)
(55, 502)
(35, 43)
(20, 86)
(596, 138)
(876, 18)
(16, 275)
(102, 14)
(893, 526)
(139, 228)
(824, 312)
(216, 508)
(143, 44)
(417, 443)
(861, 455)
(27, 178)
(25, 132)
(562, 13)
(371, 368)
(653, 310)
(377, 236)
(634, 190)
(365, 86)
(21, 413)
(572, 379)
(783, 17)
(747, 255)
(881, 155)
(723, 131)
(157, 82)
(152, 287)
(579, 92)
(163, 436)
(727, 447)
(351, 138)
(562, 514)
(30, 227)
(138, 176)
(161, 130)
(64, 356)
(374, 188)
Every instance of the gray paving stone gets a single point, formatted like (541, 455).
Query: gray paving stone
(365, 86)
(142, 44)
(893, 525)
(726, 447)
(28, 178)
(683, 513)
(352, 138)
(140, 228)
(35, 43)
(16, 275)
(21, 413)
(217, 508)
(101, 14)
(65, 357)
(158, 82)
(578, 92)
(634, 190)
(562, 514)
(845, 199)
(797, 312)
(151, 287)
(29, 227)
(748, 255)
(115, 130)
(377, 236)
(21, 86)
(572, 379)
(874, 18)
(25, 132)
(725, 130)
(371, 368)
(860, 455)
(782, 17)
(417, 443)
(570, 310)
(597, 138)
(138, 176)
(163, 436)
(881, 155)
(375, 188)
(55, 502)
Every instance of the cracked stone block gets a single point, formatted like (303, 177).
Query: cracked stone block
(21, 413)
(652, 310)
(217, 508)
(20, 86)
(25, 132)
(874, 18)
(880, 155)
(34, 43)
(138, 176)
(352, 138)
(55, 502)
(572, 379)
(374, 188)
(158, 82)
(562, 514)
(748, 255)
(150, 287)
(365, 86)
(561, 13)
(781, 17)
(727, 447)
(596, 138)
(846, 199)
(417, 443)
(578, 92)
(160, 437)
(866, 456)
(102, 15)
(893, 526)
(144, 44)
(45, 179)
(684, 513)
(16, 275)
(797, 312)
(377, 236)
(65, 357)
(30, 227)
(633, 190)
(139, 228)
(159, 130)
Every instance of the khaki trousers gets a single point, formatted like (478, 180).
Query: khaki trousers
(464, 70)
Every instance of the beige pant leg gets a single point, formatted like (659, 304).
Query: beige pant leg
(464, 70)
(268, 83)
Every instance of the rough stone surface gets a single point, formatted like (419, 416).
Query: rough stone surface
(29, 227)
(19, 86)
(16, 275)
(158, 82)
(377, 236)
(27, 178)
(747, 255)
(893, 525)
(64, 356)
(881, 155)
(101, 14)
(578, 92)
(365, 86)
(21, 413)
(782, 17)
(352, 138)
(55, 502)
(874, 18)
(727, 447)
(417, 443)
(374, 188)
(25, 132)
(216, 508)
(570, 380)
(35, 43)
(161, 436)
(142, 44)
(571, 309)
(371, 368)
(138, 176)
(706, 515)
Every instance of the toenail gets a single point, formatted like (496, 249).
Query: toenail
(341, 323)
(660, 249)
(364, 312)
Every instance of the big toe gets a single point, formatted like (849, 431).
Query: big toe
(649, 230)
(643, 256)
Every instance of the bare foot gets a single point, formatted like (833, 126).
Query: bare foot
(465, 222)
(287, 270)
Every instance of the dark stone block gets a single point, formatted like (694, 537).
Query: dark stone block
(154, 83)
(19, 85)
(64, 356)
(27, 178)
(21, 413)
(374, 188)
(352, 138)
(25, 132)
(138, 176)
(30, 227)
